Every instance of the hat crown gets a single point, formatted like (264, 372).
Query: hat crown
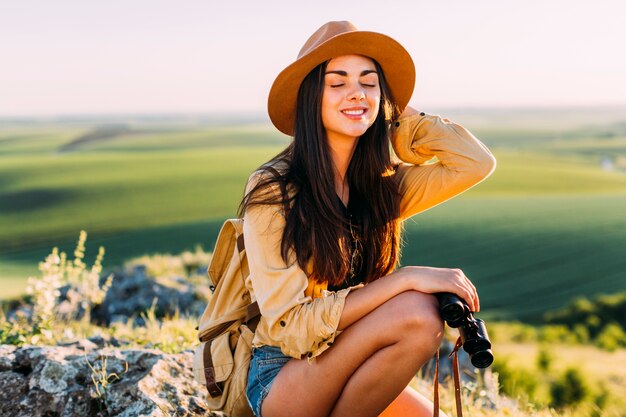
(324, 33)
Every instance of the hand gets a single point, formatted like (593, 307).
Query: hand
(431, 280)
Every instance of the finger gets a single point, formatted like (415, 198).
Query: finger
(471, 296)
(474, 292)
(464, 291)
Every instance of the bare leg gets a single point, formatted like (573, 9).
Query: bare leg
(368, 366)
(408, 404)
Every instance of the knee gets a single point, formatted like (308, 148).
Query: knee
(417, 320)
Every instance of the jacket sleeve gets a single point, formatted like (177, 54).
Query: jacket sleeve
(299, 324)
(462, 161)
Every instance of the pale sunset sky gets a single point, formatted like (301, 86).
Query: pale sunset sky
(85, 57)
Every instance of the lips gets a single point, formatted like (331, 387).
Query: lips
(355, 112)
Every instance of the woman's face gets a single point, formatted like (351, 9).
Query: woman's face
(351, 96)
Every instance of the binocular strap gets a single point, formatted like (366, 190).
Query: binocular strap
(457, 380)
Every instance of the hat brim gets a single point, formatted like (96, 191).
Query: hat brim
(395, 61)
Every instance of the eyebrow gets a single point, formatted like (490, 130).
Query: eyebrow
(345, 74)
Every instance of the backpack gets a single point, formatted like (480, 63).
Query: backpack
(227, 326)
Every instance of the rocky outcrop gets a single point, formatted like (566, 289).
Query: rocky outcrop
(133, 292)
(84, 380)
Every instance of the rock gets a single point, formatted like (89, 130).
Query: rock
(73, 381)
(133, 292)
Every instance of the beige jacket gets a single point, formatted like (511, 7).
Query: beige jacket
(299, 315)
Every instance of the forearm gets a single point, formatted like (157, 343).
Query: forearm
(463, 161)
(368, 298)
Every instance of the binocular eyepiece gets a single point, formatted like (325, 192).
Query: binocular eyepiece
(457, 314)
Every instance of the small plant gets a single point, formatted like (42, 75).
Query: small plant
(102, 379)
(13, 332)
(44, 292)
(85, 290)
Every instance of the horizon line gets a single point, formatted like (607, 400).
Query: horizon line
(263, 114)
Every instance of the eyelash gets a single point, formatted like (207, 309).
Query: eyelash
(364, 85)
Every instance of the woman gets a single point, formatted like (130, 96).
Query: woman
(341, 332)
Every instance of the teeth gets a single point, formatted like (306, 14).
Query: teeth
(354, 112)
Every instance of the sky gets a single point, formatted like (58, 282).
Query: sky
(68, 57)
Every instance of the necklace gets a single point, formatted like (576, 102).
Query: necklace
(355, 256)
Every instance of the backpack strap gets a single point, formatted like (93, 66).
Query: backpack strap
(252, 311)
(252, 316)
(215, 390)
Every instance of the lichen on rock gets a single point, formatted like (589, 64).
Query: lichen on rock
(73, 381)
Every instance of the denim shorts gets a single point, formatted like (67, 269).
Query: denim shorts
(265, 364)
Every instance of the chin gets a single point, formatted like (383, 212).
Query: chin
(356, 131)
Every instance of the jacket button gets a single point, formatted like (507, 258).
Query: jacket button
(422, 114)
(282, 323)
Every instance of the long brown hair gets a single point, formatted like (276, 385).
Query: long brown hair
(316, 227)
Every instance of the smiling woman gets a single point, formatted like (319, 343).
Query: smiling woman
(341, 332)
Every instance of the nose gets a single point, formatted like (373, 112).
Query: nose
(357, 93)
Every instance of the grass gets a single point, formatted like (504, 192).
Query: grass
(52, 194)
(598, 366)
(547, 249)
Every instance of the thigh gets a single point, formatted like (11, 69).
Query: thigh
(311, 390)
(410, 403)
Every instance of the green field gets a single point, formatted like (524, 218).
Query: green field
(548, 225)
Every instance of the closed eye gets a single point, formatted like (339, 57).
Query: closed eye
(364, 85)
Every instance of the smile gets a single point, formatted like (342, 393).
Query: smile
(354, 112)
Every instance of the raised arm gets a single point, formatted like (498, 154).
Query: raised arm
(462, 160)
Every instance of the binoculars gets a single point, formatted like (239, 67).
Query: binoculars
(456, 314)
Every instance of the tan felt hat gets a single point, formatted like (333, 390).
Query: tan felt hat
(335, 39)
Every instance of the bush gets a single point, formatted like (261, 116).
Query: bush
(581, 333)
(544, 359)
(570, 389)
(593, 314)
(512, 331)
(611, 337)
(556, 333)
(515, 382)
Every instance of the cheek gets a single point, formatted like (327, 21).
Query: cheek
(375, 106)
(329, 107)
